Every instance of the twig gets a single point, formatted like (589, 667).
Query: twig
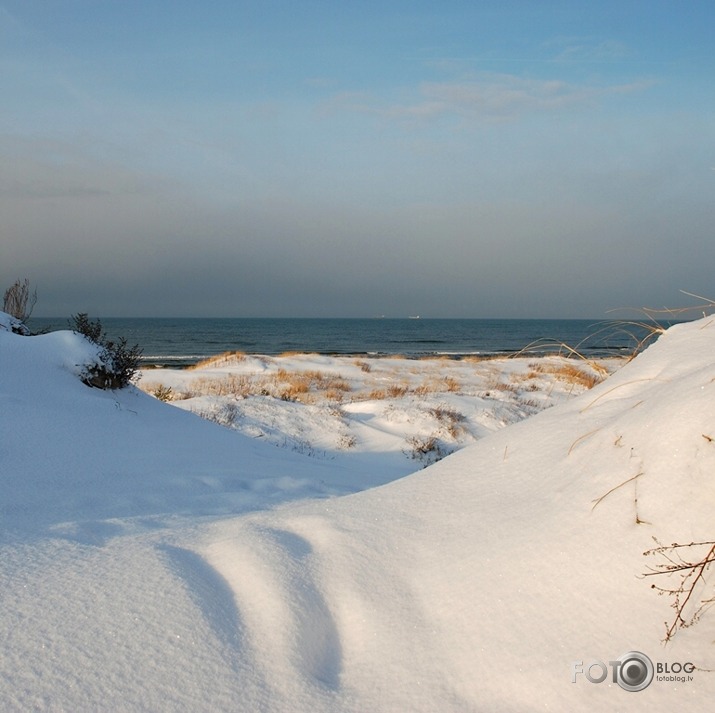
(620, 485)
(693, 573)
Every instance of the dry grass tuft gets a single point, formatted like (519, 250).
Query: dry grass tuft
(229, 385)
(426, 387)
(476, 358)
(293, 353)
(451, 384)
(570, 373)
(397, 390)
(224, 359)
(450, 419)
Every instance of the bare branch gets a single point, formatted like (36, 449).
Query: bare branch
(692, 571)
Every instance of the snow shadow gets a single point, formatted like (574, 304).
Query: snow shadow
(320, 649)
(212, 595)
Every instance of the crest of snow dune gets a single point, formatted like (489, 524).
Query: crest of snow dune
(475, 584)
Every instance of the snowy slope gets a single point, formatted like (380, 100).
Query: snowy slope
(143, 565)
(73, 452)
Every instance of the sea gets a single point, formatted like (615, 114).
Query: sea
(182, 342)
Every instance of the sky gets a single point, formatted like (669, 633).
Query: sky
(351, 159)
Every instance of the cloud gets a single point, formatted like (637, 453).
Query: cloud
(486, 97)
(585, 49)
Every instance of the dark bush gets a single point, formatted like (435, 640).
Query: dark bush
(118, 362)
(81, 324)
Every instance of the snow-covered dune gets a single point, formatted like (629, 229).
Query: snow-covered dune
(150, 560)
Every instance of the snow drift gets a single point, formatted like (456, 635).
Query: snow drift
(153, 561)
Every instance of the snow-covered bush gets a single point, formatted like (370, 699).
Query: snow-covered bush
(117, 363)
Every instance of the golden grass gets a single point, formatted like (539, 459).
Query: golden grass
(283, 384)
(426, 387)
(223, 359)
(451, 384)
(397, 390)
(476, 358)
(570, 373)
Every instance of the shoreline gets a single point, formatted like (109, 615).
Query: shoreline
(192, 361)
(181, 343)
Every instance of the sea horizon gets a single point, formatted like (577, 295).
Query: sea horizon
(183, 341)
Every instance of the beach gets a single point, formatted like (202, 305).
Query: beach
(407, 412)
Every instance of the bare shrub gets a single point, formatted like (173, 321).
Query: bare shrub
(427, 449)
(690, 594)
(19, 301)
(450, 419)
(347, 441)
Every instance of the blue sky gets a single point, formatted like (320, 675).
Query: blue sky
(452, 159)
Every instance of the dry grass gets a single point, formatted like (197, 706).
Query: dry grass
(424, 448)
(229, 385)
(570, 373)
(451, 384)
(426, 387)
(496, 384)
(477, 358)
(283, 384)
(395, 391)
(224, 359)
(450, 419)
(347, 441)
(19, 301)
(381, 380)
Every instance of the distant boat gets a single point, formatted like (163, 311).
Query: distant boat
(415, 317)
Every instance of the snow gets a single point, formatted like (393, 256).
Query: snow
(301, 558)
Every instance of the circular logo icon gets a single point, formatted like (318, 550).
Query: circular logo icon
(635, 672)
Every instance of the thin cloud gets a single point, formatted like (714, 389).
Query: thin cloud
(579, 49)
(488, 97)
